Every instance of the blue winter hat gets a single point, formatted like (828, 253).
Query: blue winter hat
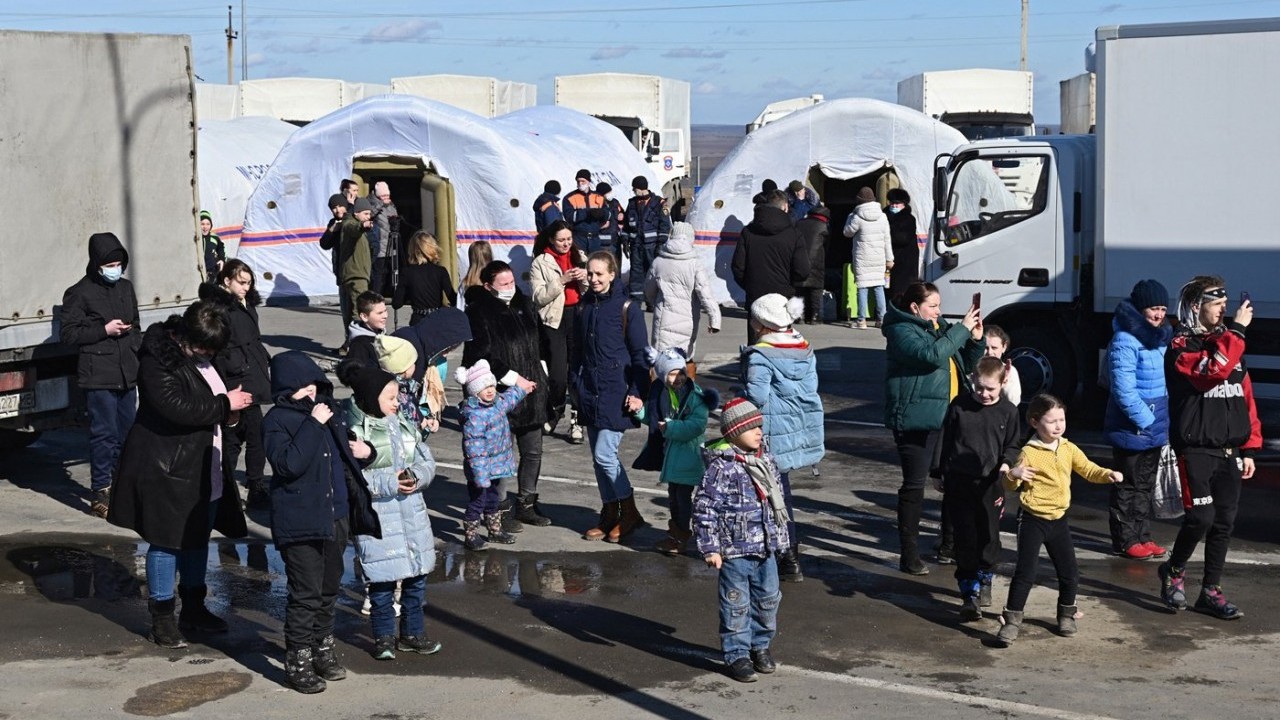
(667, 360)
(1149, 293)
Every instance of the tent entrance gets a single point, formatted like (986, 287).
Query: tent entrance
(840, 196)
(424, 199)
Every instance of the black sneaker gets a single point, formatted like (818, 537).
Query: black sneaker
(913, 567)
(384, 648)
(1213, 602)
(762, 661)
(420, 644)
(1172, 587)
(743, 670)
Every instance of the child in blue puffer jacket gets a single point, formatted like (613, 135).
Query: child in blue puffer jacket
(740, 520)
(487, 448)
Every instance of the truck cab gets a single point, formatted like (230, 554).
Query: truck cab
(1013, 229)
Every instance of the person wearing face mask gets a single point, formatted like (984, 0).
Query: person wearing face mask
(927, 364)
(505, 331)
(648, 226)
(173, 489)
(243, 362)
(100, 316)
(902, 239)
(585, 211)
(611, 237)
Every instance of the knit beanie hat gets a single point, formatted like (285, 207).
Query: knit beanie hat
(776, 312)
(395, 355)
(206, 215)
(639, 182)
(361, 204)
(583, 174)
(667, 360)
(476, 378)
(866, 195)
(1149, 293)
(552, 186)
(337, 200)
(768, 185)
(604, 188)
(739, 416)
(366, 384)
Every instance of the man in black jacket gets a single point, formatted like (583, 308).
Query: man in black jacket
(100, 316)
(331, 240)
(771, 256)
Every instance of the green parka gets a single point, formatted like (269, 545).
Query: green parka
(917, 368)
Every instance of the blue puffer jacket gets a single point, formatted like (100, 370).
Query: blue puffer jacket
(407, 547)
(780, 376)
(607, 367)
(1138, 409)
(486, 437)
(729, 516)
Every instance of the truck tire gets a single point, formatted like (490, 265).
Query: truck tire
(17, 439)
(1044, 363)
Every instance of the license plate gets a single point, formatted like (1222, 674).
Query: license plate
(16, 403)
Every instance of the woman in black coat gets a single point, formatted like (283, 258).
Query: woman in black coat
(171, 488)
(611, 374)
(243, 363)
(506, 332)
(902, 236)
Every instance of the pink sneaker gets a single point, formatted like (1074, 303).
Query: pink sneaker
(1156, 551)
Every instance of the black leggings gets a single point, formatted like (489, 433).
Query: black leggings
(1212, 482)
(1055, 536)
(557, 347)
(247, 434)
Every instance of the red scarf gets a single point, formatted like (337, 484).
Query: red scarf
(565, 263)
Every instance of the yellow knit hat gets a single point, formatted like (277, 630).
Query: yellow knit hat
(395, 355)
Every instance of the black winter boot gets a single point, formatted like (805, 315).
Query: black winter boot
(789, 565)
(325, 660)
(528, 512)
(506, 511)
(164, 627)
(910, 503)
(194, 616)
(300, 673)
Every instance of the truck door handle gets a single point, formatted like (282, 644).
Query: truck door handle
(1033, 277)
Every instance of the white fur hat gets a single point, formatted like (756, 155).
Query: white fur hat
(776, 312)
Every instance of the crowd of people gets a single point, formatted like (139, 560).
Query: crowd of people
(172, 406)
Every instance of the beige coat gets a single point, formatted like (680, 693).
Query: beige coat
(548, 290)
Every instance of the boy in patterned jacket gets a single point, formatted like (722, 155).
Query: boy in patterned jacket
(489, 456)
(740, 520)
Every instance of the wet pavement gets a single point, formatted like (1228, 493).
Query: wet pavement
(558, 627)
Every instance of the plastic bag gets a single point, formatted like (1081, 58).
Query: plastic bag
(1166, 496)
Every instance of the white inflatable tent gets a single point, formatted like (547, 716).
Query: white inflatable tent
(832, 147)
(481, 174)
(231, 157)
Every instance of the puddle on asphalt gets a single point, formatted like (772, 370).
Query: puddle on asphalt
(247, 570)
(184, 693)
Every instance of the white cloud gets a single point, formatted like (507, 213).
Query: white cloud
(613, 52)
(706, 88)
(400, 31)
(692, 52)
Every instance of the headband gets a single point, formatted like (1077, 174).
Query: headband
(1213, 294)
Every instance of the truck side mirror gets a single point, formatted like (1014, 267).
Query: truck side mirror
(939, 190)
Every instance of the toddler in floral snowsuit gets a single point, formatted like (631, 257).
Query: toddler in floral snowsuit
(487, 448)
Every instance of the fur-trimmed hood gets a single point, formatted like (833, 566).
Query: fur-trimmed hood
(1130, 319)
(160, 342)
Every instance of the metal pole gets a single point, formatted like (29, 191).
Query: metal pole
(231, 36)
(1022, 65)
(243, 45)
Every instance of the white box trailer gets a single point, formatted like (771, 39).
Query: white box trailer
(979, 102)
(103, 126)
(653, 112)
(1078, 104)
(484, 96)
(302, 100)
(1146, 198)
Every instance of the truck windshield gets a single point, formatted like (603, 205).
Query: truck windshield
(994, 131)
(988, 194)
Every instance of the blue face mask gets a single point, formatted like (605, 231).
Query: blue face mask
(895, 210)
(112, 274)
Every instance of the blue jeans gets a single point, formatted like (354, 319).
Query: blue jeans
(382, 612)
(611, 477)
(111, 414)
(862, 302)
(642, 256)
(749, 599)
(166, 565)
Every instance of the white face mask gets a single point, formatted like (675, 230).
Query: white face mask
(505, 295)
(112, 274)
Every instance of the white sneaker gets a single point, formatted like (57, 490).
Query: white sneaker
(367, 607)
(575, 434)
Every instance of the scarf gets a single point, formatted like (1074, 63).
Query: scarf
(565, 263)
(767, 484)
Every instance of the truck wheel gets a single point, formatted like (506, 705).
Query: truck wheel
(1044, 363)
(17, 439)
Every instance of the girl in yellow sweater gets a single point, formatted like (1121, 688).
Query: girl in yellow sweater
(1042, 478)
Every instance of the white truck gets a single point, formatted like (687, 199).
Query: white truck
(653, 112)
(101, 128)
(484, 96)
(1167, 189)
(979, 102)
(779, 109)
(1079, 104)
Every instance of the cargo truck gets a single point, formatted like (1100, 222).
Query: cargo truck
(1168, 189)
(653, 112)
(978, 102)
(98, 131)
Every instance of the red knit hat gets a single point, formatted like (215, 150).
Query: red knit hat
(738, 416)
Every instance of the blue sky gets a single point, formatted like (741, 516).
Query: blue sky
(737, 55)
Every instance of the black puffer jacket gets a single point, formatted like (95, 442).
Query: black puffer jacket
(106, 363)
(770, 257)
(508, 336)
(906, 250)
(814, 229)
(244, 362)
(302, 467)
(163, 487)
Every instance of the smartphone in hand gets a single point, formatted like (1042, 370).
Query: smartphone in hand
(1244, 297)
(977, 301)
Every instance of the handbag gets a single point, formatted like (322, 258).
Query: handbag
(1166, 496)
